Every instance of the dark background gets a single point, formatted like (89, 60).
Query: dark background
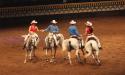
(8, 3)
(24, 21)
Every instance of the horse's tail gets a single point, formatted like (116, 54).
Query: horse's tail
(81, 44)
(70, 46)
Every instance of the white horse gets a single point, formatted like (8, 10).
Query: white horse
(91, 48)
(30, 46)
(60, 39)
(72, 44)
(51, 45)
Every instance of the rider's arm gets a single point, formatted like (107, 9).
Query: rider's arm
(48, 28)
(37, 29)
(76, 31)
(70, 30)
(86, 39)
(86, 31)
(57, 29)
(29, 28)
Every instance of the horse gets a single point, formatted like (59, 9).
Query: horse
(91, 48)
(73, 44)
(52, 41)
(30, 46)
(60, 39)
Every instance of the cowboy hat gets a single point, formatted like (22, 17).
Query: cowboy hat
(53, 21)
(88, 23)
(72, 22)
(34, 21)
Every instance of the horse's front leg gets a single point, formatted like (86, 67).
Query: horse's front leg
(26, 55)
(46, 53)
(31, 54)
(53, 54)
(51, 60)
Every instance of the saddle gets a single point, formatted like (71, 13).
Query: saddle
(91, 38)
(76, 37)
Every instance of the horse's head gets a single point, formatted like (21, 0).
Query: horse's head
(51, 39)
(32, 40)
(60, 38)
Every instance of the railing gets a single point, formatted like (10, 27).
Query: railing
(62, 8)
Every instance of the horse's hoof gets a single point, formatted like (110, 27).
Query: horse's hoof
(65, 58)
(51, 61)
(30, 59)
(24, 62)
(47, 60)
(99, 64)
(81, 62)
(54, 62)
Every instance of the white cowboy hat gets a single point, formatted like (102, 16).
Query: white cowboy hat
(34, 21)
(53, 21)
(88, 23)
(72, 22)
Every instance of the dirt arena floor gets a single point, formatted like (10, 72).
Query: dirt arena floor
(110, 30)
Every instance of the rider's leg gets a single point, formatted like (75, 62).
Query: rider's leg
(37, 40)
(99, 44)
(25, 40)
(46, 42)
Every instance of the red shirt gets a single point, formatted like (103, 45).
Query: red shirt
(33, 28)
(88, 30)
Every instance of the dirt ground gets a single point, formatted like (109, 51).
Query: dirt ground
(110, 30)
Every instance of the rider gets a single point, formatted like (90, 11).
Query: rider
(53, 29)
(32, 31)
(89, 33)
(73, 31)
